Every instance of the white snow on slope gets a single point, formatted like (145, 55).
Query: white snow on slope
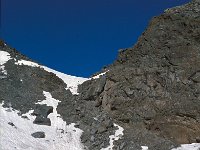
(193, 146)
(71, 81)
(99, 75)
(4, 57)
(115, 137)
(59, 136)
(27, 63)
(144, 147)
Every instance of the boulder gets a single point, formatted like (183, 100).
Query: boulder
(39, 134)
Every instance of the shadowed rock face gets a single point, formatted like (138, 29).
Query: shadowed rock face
(152, 90)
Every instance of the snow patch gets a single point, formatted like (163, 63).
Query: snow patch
(58, 136)
(193, 146)
(71, 81)
(99, 75)
(144, 147)
(27, 63)
(4, 57)
(115, 137)
(95, 118)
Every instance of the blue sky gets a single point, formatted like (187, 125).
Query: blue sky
(77, 37)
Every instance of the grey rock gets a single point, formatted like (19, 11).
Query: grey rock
(38, 135)
(195, 76)
(98, 102)
(40, 120)
(96, 86)
(42, 110)
(198, 139)
(12, 124)
(92, 138)
(107, 123)
(102, 129)
(94, 131)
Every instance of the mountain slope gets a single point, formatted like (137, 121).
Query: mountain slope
(30, 94)
(23, 84)
(149, 98)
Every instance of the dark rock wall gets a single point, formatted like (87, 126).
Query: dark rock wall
(153, 88)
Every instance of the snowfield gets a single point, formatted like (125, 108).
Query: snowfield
(17, 134)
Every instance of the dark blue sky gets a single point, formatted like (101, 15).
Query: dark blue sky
(77, 37)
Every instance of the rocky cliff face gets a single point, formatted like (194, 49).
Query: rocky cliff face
(150, 95)
(153, 88)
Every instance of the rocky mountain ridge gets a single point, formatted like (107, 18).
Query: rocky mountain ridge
(150, 96)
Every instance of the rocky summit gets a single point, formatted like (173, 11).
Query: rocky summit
(148, 99)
